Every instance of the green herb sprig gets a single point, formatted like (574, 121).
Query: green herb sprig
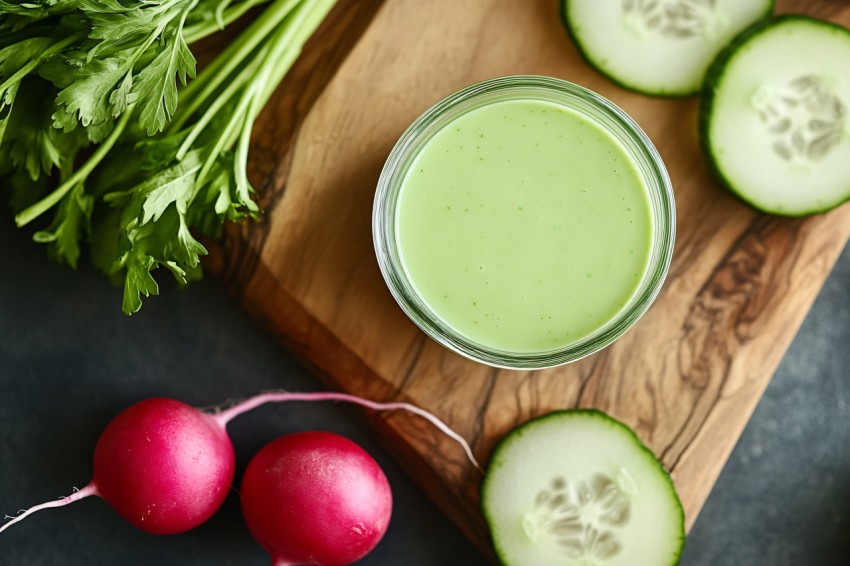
(115, 78)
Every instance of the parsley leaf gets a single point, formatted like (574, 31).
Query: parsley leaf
(156, 87)
(72, 220)
(31, 144)
(13, 60)
(90, 93)
(111, 72)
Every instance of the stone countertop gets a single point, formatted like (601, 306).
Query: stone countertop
(69, 361)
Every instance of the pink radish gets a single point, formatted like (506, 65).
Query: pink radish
(163, 465)
(166, 467)
(315, 498)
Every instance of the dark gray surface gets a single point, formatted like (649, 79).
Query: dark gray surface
(69, 361)
(784, 496)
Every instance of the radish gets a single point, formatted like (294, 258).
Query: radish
(315, 498)
(161, 464)
(166, 467)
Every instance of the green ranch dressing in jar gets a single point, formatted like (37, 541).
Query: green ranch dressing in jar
(528, 228)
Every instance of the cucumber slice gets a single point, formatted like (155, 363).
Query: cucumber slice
(657, 47)
(775, 116)
(578, 488)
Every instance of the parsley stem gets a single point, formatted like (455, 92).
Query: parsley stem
(211, 112)
(277, 56)
(224, 139)
(31, 213)
(36, 61)
(292, 44)
(251, 75)
(223, 19)
(240, 158)
(285, 47)
(196, 93)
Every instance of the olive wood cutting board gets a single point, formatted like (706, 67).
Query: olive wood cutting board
(686, 378)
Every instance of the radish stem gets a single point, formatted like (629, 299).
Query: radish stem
(226, 415)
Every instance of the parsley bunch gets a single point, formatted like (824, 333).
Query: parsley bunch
(110, 72)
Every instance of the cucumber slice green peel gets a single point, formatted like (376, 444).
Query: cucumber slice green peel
(657, 47)
(578, 488)
(775, 116)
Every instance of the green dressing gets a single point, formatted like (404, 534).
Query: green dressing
(524, 225)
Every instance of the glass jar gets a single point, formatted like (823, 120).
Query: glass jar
(589, 105)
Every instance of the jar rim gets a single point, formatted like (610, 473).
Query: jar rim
(607, 116)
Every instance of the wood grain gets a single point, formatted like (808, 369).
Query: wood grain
(686, 378)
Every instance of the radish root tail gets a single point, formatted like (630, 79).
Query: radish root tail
(87, 491)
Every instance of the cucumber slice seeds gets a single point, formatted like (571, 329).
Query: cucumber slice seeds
(578, 488)
(657, 47)
(775, 116)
